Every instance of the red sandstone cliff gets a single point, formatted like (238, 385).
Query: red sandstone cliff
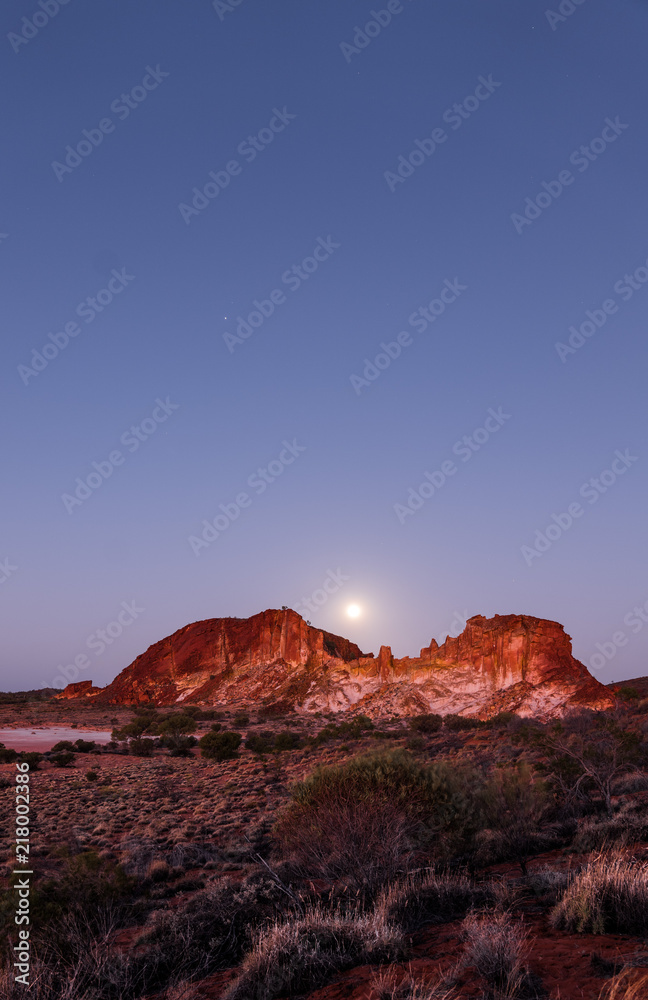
(509, 662)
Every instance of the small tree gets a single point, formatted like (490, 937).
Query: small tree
(588, 753)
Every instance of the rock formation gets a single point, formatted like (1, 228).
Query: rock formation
(80, 689)
(274, 659)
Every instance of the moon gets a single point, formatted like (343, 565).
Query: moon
(354, 611)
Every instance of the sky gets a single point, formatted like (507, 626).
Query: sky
(320, 305)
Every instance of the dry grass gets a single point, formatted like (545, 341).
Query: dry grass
(628, 985)
(610, 896)
(496, 948)
(430, 898)
(299, 956)
(388, 985)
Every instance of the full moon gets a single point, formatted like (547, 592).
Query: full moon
(353, 611)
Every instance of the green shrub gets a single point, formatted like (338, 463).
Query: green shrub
(610, 896)
(355, 729)
(363, 820)
(287, 741)
(219, 746)
(178, 746)
(428, 723)
(260, 743)
(175, 724)
(627, 693)
(32, 758)
(63, 745)
(457, 723)
(84, 746)
(141, 747)
(240, 720)
(7, 754)
(92, 776)
(63, 759)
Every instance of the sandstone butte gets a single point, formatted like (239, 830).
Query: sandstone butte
(274, 659)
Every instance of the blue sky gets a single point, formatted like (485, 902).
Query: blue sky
(243, 164)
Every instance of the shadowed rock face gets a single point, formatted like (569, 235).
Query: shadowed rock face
(509, 662)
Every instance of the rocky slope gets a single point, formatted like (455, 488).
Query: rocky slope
(274, 659)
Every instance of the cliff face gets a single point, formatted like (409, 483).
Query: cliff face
(509, 662)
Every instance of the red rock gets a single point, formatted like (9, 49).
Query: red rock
(509, 662)
(80, 689)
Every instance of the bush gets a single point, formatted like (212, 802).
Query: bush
(219, 746)
(175, 724)
(429, 723)
(240, 720)
(32, 758)
(516, 803)
(141, 747)
(456, 723)
(354, 729)
(62, 759)
(364, 819)
(63, 745)
(92, 776)
(631, 984)
(178, 746)
(210, 932)
(610, 896)
(7, 754)
(293, 958)
(84, 746)
(260, 743)
(287, 741)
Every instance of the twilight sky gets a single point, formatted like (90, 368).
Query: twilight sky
(318, 304)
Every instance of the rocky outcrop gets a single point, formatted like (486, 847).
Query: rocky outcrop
(80, 689)
(274, 659)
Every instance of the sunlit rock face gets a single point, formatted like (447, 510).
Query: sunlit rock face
(509, 662)
(80, 689)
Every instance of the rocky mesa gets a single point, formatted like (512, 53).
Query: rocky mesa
(277, 661)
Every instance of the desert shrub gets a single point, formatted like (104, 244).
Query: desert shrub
(260, 743)
(178, 746)
(363, 820)
(456, 723)
(212, 931)
(495, 947)
(587, 754)
(63, 745)
(627, 693)
(84, 746)
(32, 758)
(63, 759)
(432, 898)
(502, 720)
(174, 724)
(610, 896)
(240, 720)
(7, 754)
(597, 832)
(219, 746)
(141, 747)
(354, 729)
(217, 726)
(516, 802)
(428, 723)
(91, 776)
(287, 741)
(299, 956)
